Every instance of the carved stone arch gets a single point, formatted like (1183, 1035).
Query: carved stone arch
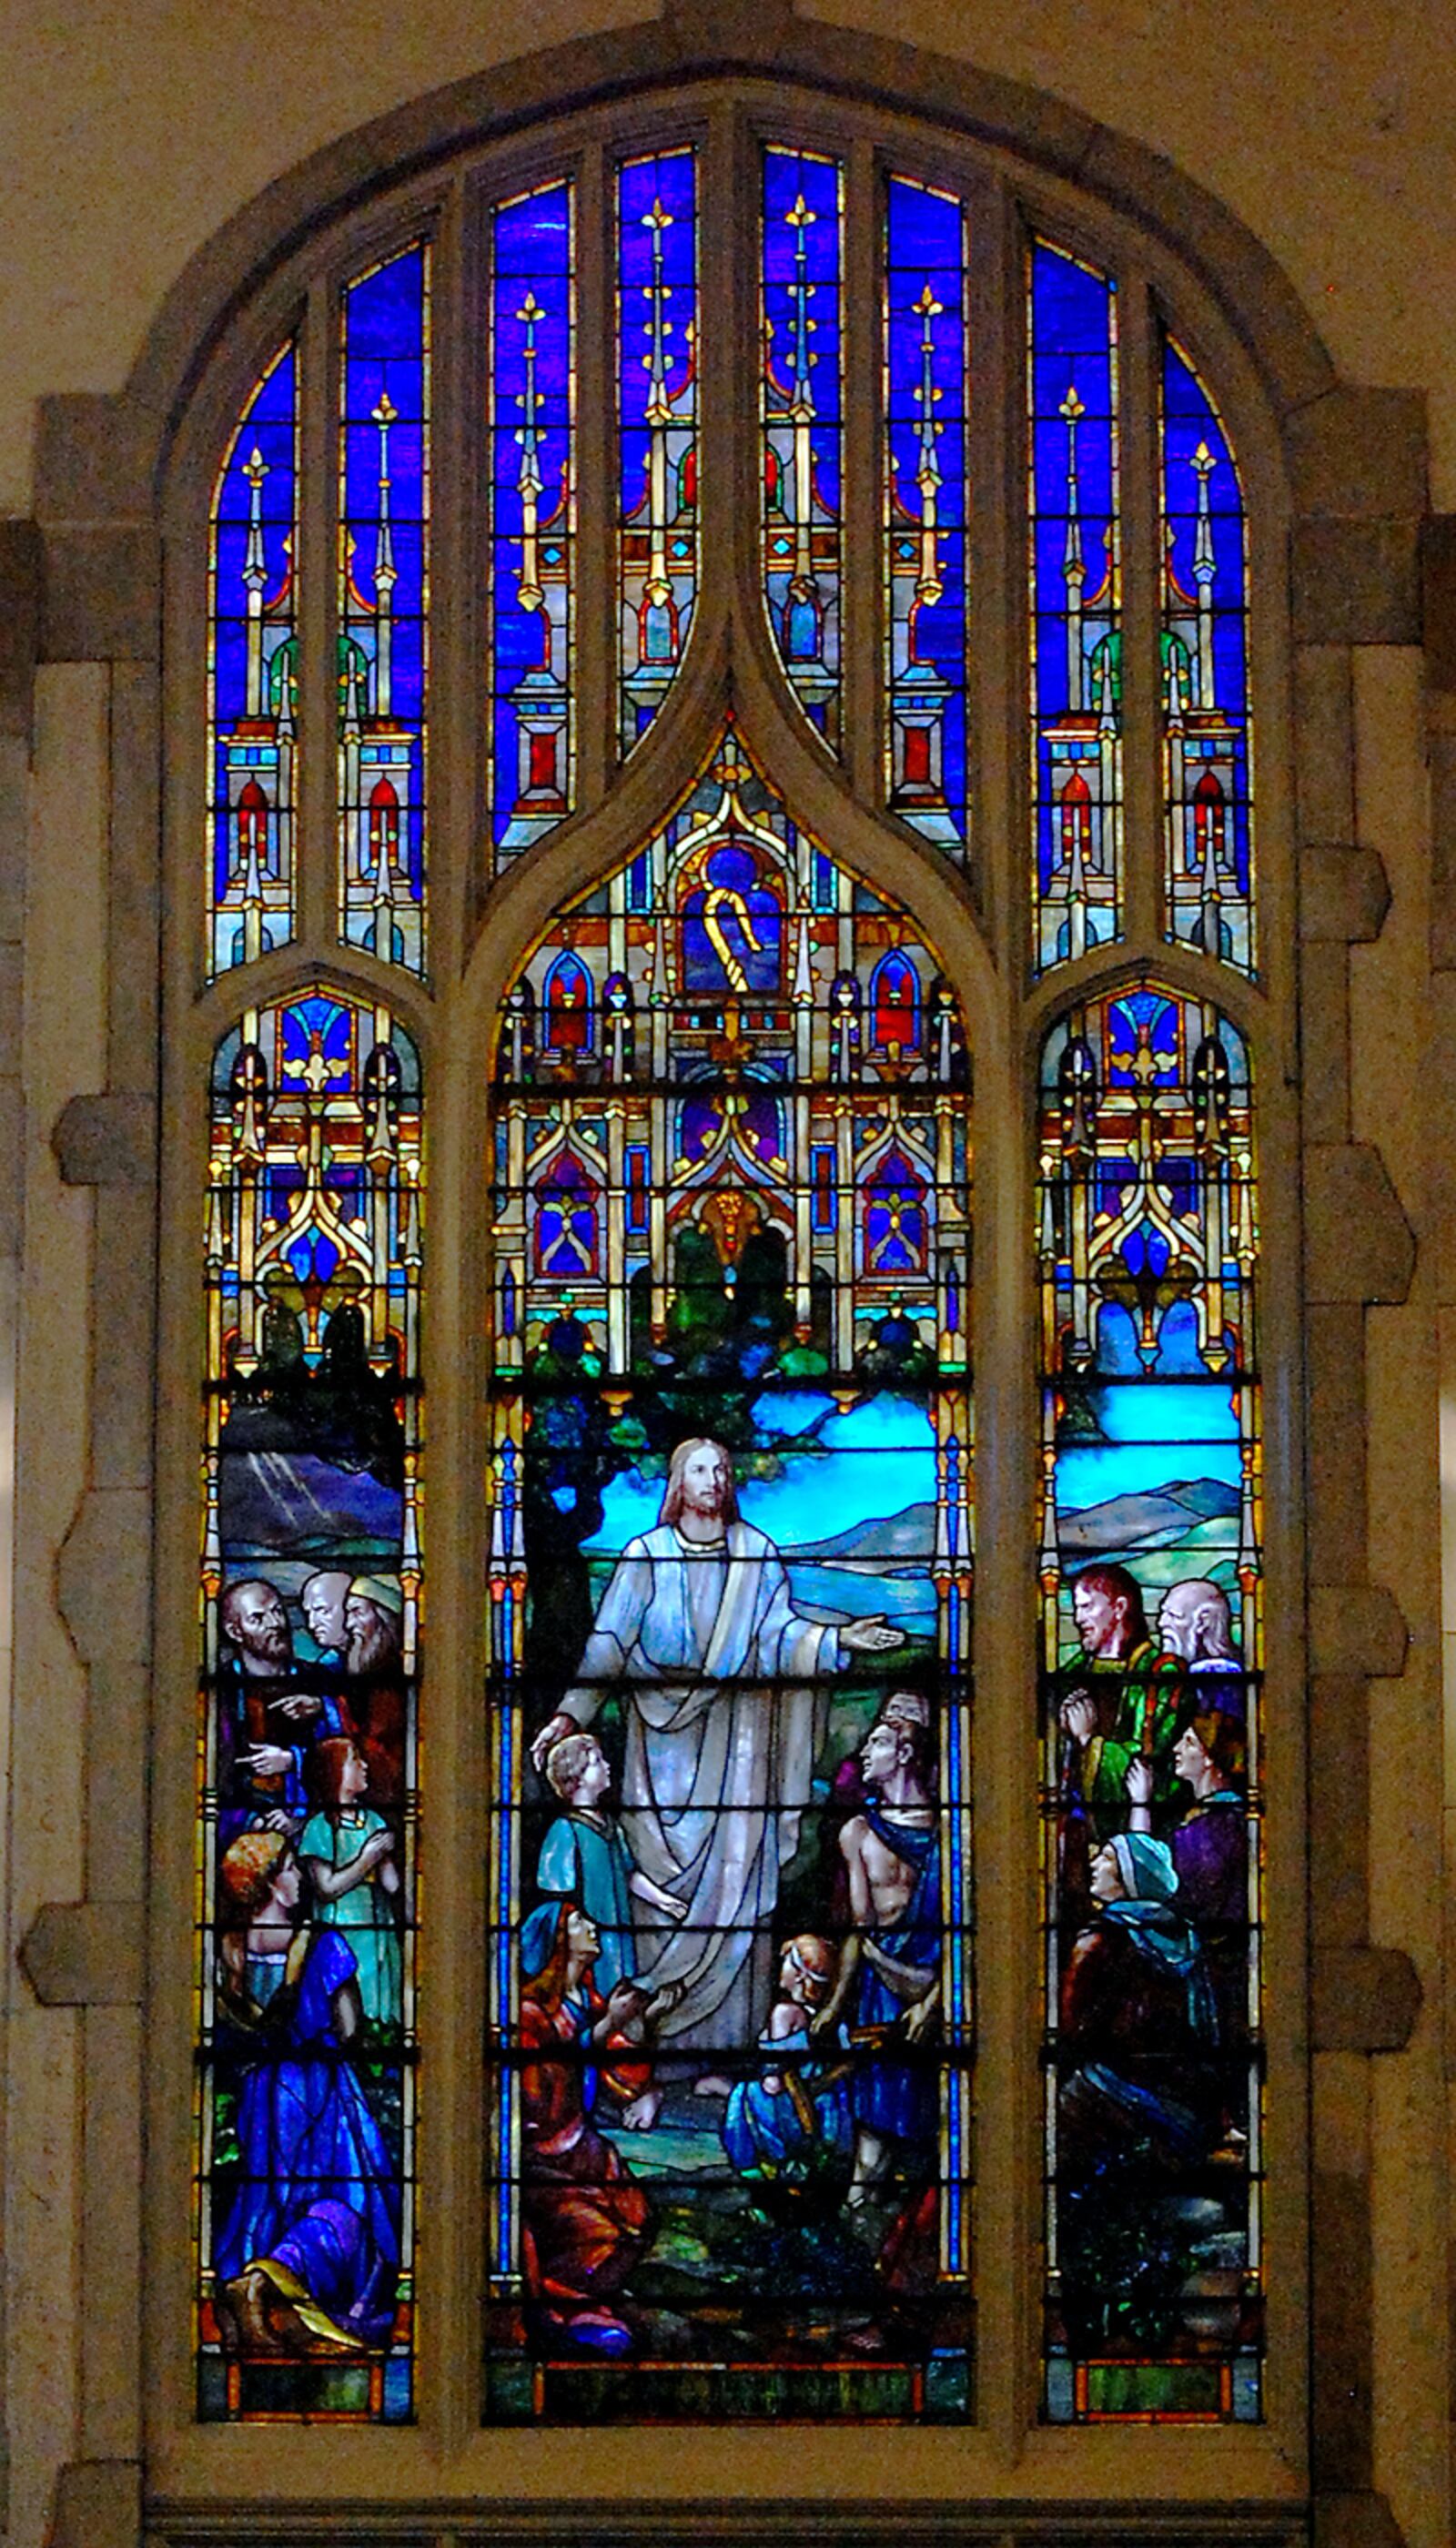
(115, 445)
(1351, 463)
(352, 970)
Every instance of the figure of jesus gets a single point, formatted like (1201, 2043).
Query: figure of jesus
(719, 1676)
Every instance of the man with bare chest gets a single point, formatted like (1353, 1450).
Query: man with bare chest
(891, 1957)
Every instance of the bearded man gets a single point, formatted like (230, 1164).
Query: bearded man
(1124, 1704)
(717, 1673)
(373, 1612)
(1196, 1625)
(261, 1702)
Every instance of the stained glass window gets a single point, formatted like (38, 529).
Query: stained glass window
(657, 356)
(252, 675)
(310, 1614)
(384, 608)
(730, 1920)
(1150, 1602)
(1205, 674)
(723, 1221)
(1075, 563)
(533, 498)
(926, 555)
(802, 426)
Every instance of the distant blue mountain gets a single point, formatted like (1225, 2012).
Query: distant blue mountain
(907, 1534)
(1160, 1517)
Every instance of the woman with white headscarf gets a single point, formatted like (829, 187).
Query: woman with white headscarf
(1139, 2016)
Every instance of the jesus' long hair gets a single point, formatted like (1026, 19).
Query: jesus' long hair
(673, 1492)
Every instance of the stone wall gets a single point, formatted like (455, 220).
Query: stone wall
(130, 146)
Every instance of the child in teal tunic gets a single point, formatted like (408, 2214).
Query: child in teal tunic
(347, 1853)
(585, 1859)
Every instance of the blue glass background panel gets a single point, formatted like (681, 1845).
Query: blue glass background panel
(802, 390)
(253, 675)
(1075, 604)
(1204, 674)
(384, 608)
(532, 410)
(925, 550)
(656, 375)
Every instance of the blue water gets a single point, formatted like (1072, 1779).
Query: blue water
(908, 1601)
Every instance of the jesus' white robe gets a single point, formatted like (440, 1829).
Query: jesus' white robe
(716, 1671)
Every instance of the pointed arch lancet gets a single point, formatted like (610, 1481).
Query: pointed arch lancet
(310, 1585)
(731, 1420)
(1150, 1575)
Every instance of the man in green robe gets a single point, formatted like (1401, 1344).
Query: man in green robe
(1123, 1704)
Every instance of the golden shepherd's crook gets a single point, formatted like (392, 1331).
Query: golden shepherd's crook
(712, 902)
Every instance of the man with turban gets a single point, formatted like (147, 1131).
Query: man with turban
(374, 1612)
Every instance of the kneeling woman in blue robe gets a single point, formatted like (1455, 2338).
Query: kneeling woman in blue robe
(793, 2115)
(309, 2250)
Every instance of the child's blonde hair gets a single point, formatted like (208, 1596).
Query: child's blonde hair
(565, 1763)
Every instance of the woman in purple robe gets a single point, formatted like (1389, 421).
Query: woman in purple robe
(308, 2251)
(1210, 1845)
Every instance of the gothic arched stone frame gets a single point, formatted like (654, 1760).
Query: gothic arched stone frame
(1337, 491)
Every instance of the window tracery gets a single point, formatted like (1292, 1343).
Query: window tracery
(730, 1171)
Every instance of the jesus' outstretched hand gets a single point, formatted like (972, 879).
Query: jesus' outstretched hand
(871, 1636)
